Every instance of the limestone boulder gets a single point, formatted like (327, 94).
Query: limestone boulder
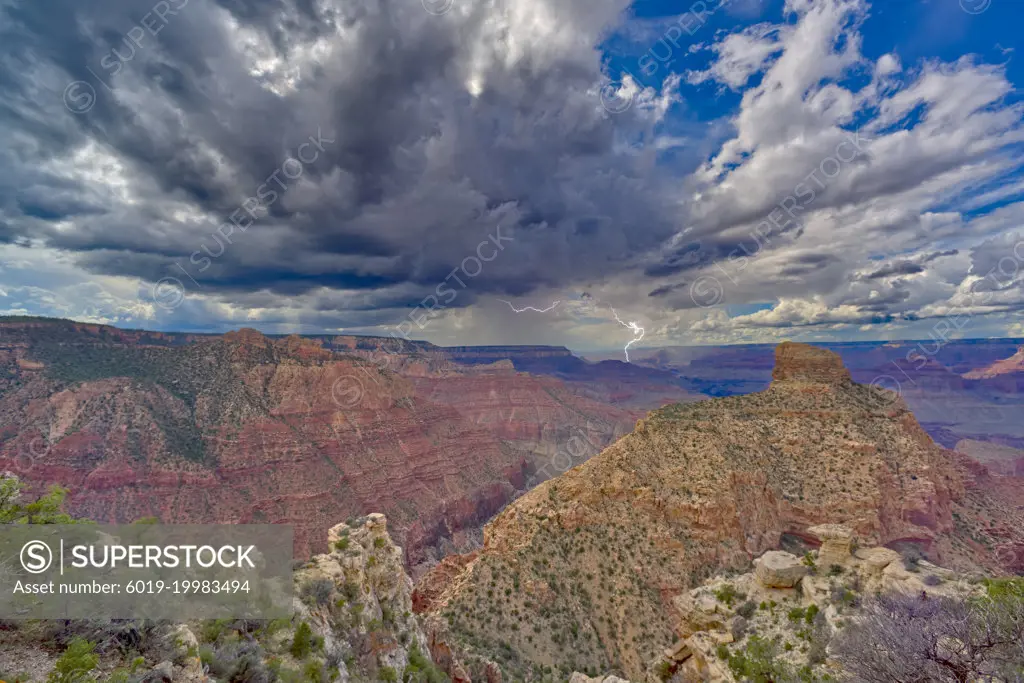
(578, 677)
(679, 652)
(699, 611)
(779, 569)
(836, 544)
(876, 559)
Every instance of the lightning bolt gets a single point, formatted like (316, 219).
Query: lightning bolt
(530, 308)
(634, 327)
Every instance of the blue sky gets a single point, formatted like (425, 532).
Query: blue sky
(812, 170)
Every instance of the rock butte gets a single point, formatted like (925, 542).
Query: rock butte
(582, 571)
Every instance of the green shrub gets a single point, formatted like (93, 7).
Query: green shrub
(315, 672)
(341, 544)
(388, 674)
(421, 670)
(238, 662)
(758, 662)
(44, 510)
(379, 542)
(286, 674)
(728, 594)
(317, 592)
(844, 596)
(812, 612)
(835, 570)
(207, 657)
(302, 642)
(1004, 589)
(76, 664)
(797, 614)
(350, 590)
(809, 561)
(211, 630)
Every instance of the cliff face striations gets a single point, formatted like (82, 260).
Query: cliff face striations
(1008, 366)
(242, 427)
(580, 573)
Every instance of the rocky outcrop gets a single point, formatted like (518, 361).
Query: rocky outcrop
(779, 569)
(836, 543)
(434, 584)
(597, 556)
(352, 620)
(805, 363)
(358, 598)
(715, 626)
(578, 677)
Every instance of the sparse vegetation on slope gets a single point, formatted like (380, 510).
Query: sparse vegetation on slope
(578, 574)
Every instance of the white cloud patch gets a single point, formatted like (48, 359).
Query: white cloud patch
(882, 240)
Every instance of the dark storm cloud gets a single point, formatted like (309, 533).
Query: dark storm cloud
(664, 290)
(881, 303)
(939, 254)
(806, 264)
(415, 170)
(688, 256)
(895, 268)
(907, 266)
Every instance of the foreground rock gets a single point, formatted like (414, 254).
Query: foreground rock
(358, 598)
(836, 543)
(721, 619)
(779, 569)
(352, 621)
(578, 677)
